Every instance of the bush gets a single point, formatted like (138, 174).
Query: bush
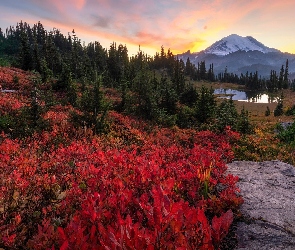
(287, 134)
(267, 112)
(91, 195)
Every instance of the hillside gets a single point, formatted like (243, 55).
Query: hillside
(135, 185)
(72, 187)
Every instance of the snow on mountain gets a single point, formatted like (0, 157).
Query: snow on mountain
(233, 43)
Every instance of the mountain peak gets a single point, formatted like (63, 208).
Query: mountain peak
(234, 42)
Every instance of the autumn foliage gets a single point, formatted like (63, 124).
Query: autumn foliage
(137, 186)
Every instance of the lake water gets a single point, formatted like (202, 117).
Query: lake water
(246, 96)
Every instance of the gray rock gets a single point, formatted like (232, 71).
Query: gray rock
(268, 189)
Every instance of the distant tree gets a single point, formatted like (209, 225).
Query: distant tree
(272, 83)
(178, 78)
(279, 108)
(203, 71)
(211, 75)
(281, 78)
(286, 75)
(267, 112)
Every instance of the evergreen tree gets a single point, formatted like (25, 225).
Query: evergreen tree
(163, 57)
(267, 112)
(279, 108)
(226, 115)
(203, 71)
(178, 78)
(286, 75)
(190, 96)
(243, 124)
(188, 67)
(25, 56)
(206, 105)
(281, 78)
(211, 76)
(93, 107)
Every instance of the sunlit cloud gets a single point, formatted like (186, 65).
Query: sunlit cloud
(179, 25)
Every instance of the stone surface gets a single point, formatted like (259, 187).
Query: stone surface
(268, 189)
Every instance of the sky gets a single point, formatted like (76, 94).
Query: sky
(180, 25)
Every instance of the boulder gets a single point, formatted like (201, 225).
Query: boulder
(268, 189)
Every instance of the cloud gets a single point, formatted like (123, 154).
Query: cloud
(171, 23)
(101, 21)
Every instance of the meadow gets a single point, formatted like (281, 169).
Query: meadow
(137, 185)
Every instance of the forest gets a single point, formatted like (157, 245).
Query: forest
(100, 150)
(158, 88)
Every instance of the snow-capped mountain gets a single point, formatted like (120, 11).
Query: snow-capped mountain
(241, 54)
(233, 43)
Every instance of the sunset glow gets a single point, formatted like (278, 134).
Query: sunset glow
(179, 25)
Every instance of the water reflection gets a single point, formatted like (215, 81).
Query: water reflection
(246, 96)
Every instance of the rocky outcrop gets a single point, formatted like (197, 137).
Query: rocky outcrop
(268, 189)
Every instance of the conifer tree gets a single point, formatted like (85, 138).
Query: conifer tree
(205, 105)
(286, 75)
(267, 112)
(226, 115)
(243, 124)
(203, 71)
(25, 56)
(178, 78)
(279, 108)
(281, 78)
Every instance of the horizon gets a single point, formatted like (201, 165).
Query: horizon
(180, 26)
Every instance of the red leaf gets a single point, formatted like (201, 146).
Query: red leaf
(64, 246)
(221, 225)
(92, 232)
(61, 233)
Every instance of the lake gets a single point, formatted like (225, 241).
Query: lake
(246, 96)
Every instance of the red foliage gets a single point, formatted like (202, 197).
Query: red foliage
(10, 104)
(15, 79)
(137, 187)
(145, 193)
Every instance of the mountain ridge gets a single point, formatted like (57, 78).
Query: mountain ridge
(234, 42)
(241, 54)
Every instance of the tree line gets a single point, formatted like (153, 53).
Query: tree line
(253, 81)
(157, 88)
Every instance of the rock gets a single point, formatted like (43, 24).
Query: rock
(268, 189)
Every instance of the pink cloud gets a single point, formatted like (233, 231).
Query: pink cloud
(171, 23)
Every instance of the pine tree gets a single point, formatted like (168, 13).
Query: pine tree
(93, 107)
(281, 78)
(203, 71)
(178, 78)
(286, 75)
(188, 67)
(25, 56)
(279, 108)
(243, 124)
(206, 105)
(226, 115)
(267, 112)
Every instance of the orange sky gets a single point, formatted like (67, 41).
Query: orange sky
(177, 24)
